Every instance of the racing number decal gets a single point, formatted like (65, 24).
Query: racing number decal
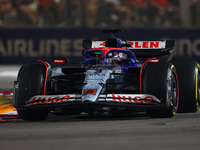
(118, 71)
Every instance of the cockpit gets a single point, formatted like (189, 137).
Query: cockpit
(114, 56)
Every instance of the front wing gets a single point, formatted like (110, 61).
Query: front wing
(109, 100)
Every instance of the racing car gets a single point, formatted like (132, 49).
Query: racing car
(117, 76)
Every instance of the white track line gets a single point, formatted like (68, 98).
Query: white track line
(8, 73)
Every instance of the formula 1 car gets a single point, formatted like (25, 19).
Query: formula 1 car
(117, 76)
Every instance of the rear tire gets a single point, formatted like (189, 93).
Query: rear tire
(31, 82)
(188, 73)
(160, 80)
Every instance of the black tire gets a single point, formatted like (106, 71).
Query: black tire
(31, 83)
(187, 71)
(160, 80)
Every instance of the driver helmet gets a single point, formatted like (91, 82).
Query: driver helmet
(116, 56)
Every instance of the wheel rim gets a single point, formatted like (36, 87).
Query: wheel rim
(172, 94)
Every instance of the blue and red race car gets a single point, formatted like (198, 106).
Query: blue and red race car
(118, 76)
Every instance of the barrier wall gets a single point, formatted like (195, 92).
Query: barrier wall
(20, 46)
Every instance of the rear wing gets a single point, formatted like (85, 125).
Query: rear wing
(142, 49)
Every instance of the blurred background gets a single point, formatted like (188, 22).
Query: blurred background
(99, 13)
(48, 29)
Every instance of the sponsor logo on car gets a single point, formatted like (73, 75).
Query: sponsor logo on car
(135, 44)
(49, 99)
(133, 99)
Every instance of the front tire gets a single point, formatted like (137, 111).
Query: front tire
(188, 73)
(160, 79)
(31, 83)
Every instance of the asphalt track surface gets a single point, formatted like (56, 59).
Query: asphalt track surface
(134, 131)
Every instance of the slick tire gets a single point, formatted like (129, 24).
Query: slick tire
(188, 75)
(160, 80)
(31, 83)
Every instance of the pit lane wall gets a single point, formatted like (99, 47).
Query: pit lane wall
(21, 46)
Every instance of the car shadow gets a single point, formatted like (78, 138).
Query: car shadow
(87, 117)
